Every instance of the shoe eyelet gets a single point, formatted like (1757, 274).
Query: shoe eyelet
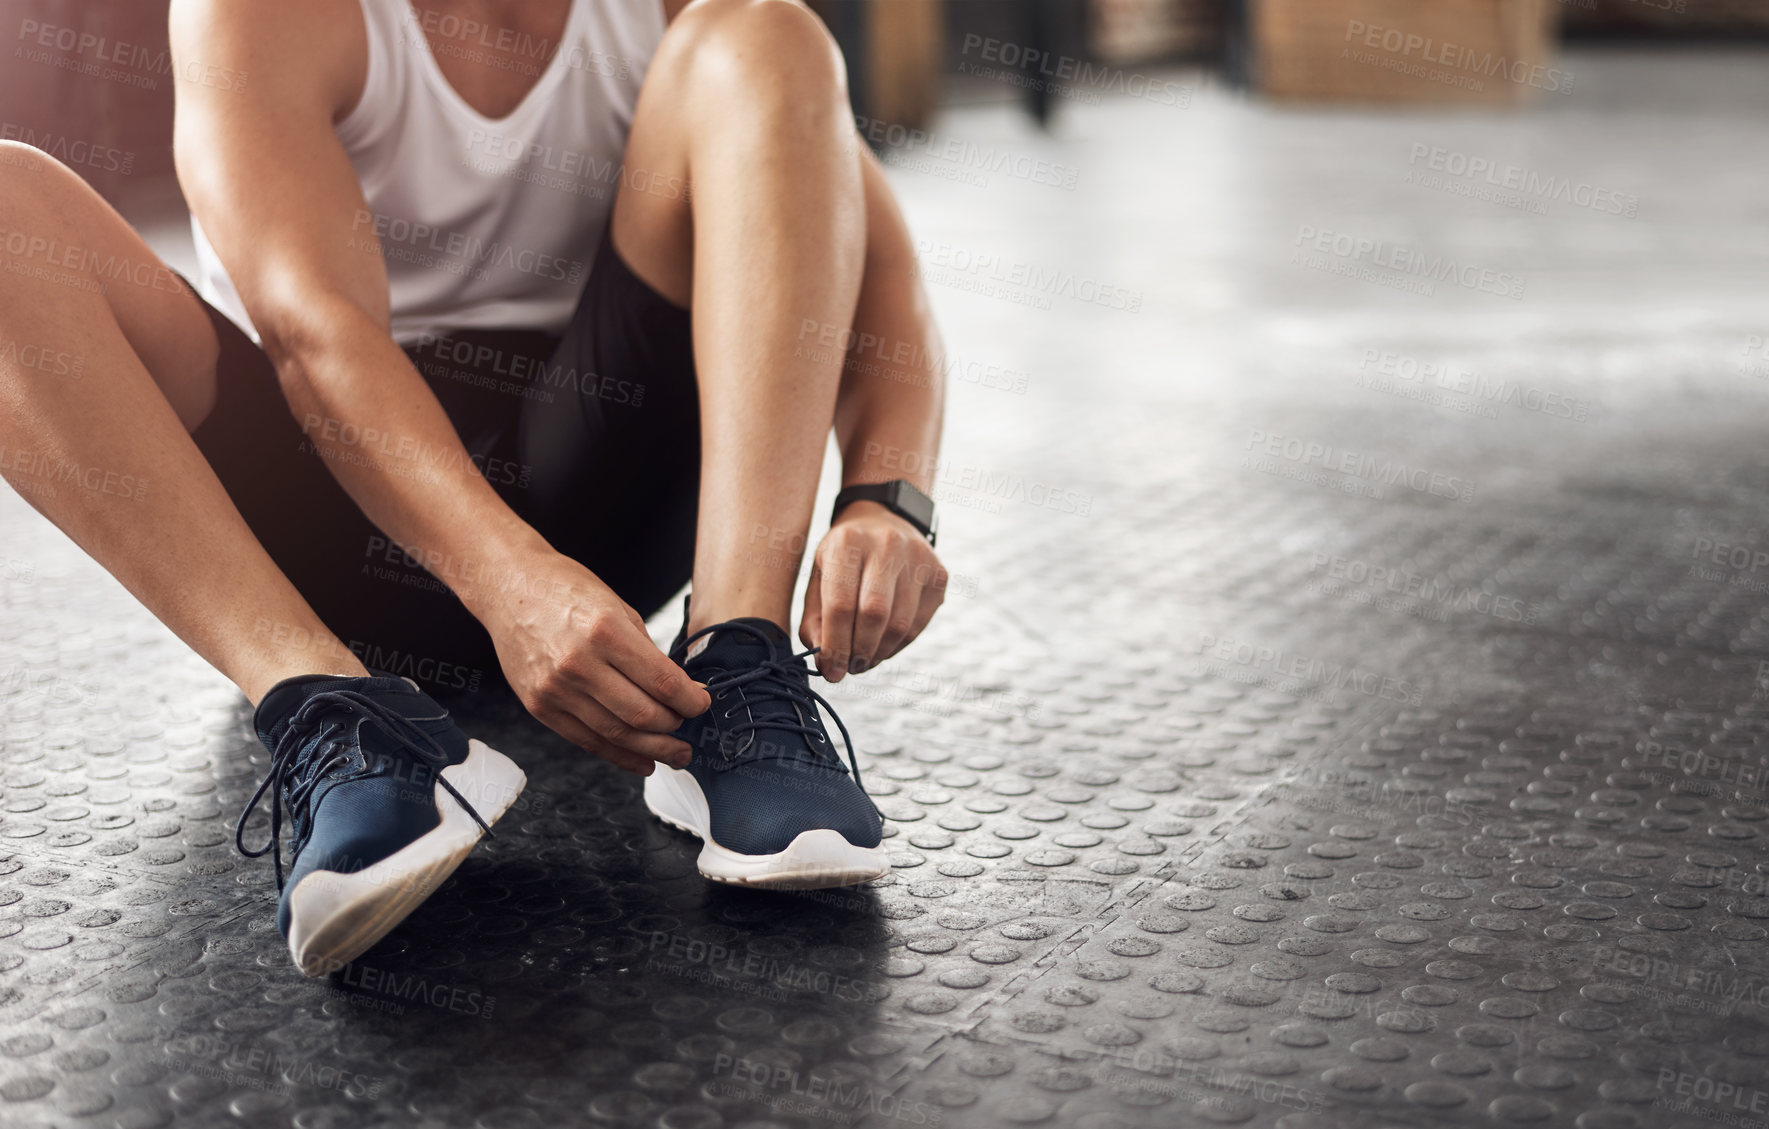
(727, 714)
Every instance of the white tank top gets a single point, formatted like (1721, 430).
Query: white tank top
(484, 223)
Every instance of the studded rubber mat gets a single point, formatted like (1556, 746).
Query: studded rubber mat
(1235, 784)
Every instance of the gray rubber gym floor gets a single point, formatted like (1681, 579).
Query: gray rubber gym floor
(1351, 708)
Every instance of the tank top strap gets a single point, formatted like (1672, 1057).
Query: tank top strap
(390, 26)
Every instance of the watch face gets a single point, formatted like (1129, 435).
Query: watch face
(917, 506)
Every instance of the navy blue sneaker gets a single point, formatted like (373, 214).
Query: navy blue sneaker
(765, 791)
(384, 797)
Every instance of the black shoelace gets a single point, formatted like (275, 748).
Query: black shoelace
(294, 773)
(773, 680)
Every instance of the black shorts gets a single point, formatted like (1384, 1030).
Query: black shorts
(593, 438)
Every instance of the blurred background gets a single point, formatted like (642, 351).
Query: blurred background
(910, 58)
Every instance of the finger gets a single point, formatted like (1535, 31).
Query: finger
(594, 743)
(841, 596)
(617, 694)
(653, 673)
(931, 599)
(878, 585)
(905, 606)
(811, 624)
(670, 750)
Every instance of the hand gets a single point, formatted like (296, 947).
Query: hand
(580, 659)
(875, 584)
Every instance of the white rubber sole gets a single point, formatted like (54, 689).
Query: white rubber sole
(814, 860)
(335, 918)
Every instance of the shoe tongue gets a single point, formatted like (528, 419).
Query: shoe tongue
(738, 651)
(283, 699)
(734, 650)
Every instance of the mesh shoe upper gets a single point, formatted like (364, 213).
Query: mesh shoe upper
(762, 757)
(354, 767)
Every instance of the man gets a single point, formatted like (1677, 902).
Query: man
(521, 291)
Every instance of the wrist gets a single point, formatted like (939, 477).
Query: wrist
(485, 576)
(899, 497)
(870, 511)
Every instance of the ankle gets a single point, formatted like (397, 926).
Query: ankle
(704, 611)
(697, 622)
(257, 682)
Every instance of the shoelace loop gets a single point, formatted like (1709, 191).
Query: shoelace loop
(776, 680)
(294, 774)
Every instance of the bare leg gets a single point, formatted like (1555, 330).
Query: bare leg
(746, 101)
(143, 502)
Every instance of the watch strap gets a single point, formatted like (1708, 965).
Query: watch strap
(899, 496)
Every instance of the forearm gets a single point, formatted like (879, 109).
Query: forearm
(366, 411)
(892, 401)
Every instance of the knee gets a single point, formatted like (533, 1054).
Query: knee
(38, 194)
(27, 176)
(768, 53)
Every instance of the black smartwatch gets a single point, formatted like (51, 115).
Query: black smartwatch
(897, 496)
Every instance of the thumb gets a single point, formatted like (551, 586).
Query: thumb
(811, 626)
